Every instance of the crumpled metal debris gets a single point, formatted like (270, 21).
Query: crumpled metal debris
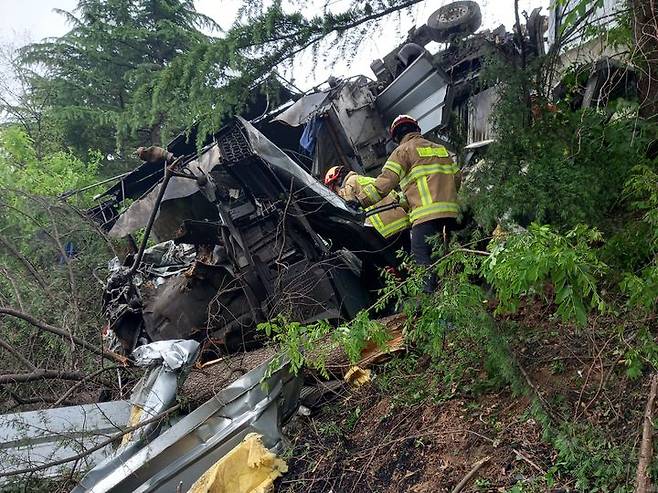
(178, 457)
(173, 354)
(156, 391)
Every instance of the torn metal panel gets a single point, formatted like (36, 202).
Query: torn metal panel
(36, 438)
(172, 355)
(304, 108)
(139, 211)
(167, 362)
(421, 91)
(179, 306)
(182, 454)
(364, 128)
(280, 160)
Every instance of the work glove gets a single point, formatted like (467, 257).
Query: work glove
(154, 154)
(354, 204)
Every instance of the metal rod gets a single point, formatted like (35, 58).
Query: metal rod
(83, 189)
(169, 172)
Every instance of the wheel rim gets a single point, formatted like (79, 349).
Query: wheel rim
(453, 14)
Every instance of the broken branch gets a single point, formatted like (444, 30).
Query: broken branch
(62, 333)
(82, 382)
(643, 481)
(26, 263)
(11, 350)
(40, 374)
(460, 486)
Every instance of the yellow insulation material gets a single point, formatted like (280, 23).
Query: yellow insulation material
(248, 468)
(357, 376)
(135, 415)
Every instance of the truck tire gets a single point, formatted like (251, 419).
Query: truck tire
(455, 19)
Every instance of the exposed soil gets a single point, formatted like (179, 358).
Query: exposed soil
(370, 441)
(422, 448)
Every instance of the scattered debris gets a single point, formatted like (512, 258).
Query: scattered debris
(258, 402)
(248, 468)
(358, 376)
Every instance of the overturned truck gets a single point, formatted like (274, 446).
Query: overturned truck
(250, 235)
(248, 230)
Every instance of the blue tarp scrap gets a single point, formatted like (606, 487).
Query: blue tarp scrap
(310, 135)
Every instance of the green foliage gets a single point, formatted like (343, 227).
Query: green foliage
(521, 265)
(577, 12)
(216, 78)
(310, 345)
(641, 355)
(54, 174)
(562, 168)
(48, 252)
(641, 285)
(590, 457)
(93, 73)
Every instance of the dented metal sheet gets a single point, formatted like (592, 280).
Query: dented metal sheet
(167, 362)
(280, 160)
(421, 91)
(36, 438)
(179, 456)
(139, 211)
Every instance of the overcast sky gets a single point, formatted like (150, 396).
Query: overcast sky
(22, 21)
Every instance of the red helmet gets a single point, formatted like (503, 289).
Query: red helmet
(333, 175)
(401, 120)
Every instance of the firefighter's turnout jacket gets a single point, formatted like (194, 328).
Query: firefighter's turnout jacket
(426, 174)
(388, 222)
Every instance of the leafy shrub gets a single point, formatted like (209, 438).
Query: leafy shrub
(558, 167)
(641, 190)
(522, 265)
(311, 344)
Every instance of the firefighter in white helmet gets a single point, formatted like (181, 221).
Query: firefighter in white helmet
(348, 185)
(429, 180)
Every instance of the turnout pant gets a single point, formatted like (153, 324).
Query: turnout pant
(421, 250)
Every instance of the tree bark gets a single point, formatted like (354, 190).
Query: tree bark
(40, 374)
(643, 480)
(645, 57)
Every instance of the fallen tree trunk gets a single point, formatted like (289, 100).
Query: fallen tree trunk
(643, 481)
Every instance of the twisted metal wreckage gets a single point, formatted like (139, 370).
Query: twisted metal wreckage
(248, 232)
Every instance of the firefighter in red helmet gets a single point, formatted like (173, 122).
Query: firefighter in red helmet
(348, 184)
(429, 180)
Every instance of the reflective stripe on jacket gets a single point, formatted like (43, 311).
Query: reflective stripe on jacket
(427, 176)
(387, 223)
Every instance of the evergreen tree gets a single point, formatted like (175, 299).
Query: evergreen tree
(93, 71)
(216, 78)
